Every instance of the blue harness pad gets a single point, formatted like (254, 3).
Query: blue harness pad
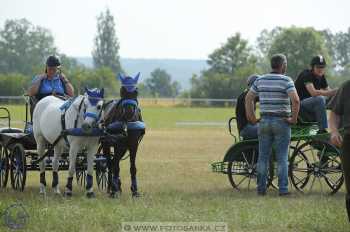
(79, 132)
(138, 125)
(67, 104)
(116, 126)
(91, 115)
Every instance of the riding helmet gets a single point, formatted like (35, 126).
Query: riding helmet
(318, 61)
(53, 61)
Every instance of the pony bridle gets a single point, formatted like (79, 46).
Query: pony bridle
(93, 101)
(127, 103)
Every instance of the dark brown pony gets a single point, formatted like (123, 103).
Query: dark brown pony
(123, 119)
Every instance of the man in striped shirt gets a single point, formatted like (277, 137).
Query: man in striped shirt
(276, 93)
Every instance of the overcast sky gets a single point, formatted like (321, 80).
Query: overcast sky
(172, 28)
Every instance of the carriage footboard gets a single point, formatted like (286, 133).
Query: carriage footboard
(220, 167)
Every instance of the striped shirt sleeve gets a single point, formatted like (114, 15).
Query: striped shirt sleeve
(290, 86)
(254, 88)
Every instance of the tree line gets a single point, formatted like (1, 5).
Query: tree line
(234, 61)
(24, 48)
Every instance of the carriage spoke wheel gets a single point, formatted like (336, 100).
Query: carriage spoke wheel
(315, 167)
(101, 169)
(4, 166)
(332, 173)
(242, 169)
(81, 169)
(18, 167)
(81, 176)
(102, 175)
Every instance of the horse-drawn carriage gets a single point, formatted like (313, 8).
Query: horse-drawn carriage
(18, 155)
(314, 163)
(19, 149)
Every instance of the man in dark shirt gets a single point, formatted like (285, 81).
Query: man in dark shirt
(312, 88)
(340, 114)
(246, 129)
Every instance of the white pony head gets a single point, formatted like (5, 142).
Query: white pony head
(93, 102)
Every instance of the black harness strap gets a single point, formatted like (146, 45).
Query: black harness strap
(76, 119)
(63, 124)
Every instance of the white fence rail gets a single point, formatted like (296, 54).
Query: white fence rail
(149, 101)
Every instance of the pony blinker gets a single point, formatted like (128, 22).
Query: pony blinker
(94, 95)
(128, 82)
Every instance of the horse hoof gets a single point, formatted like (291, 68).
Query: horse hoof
(114, 195)
(90, 195)
(136, 195)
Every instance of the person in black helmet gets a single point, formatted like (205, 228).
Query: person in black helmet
(246, 129)
(52, 82)
(312, 88)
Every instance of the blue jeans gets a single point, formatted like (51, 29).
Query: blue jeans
(314, 109)
(273, 132)
(250, 131)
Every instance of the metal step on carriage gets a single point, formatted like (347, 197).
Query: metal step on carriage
(314, 163)
(18, 155)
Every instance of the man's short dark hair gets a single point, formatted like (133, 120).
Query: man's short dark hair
(278, 60)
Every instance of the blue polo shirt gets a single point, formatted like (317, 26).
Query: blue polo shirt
(47, 86)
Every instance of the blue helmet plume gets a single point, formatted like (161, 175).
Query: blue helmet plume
(128, 82)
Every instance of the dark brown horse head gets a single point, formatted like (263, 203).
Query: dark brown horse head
(126, 109)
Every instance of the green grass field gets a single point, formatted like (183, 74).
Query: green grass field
(178, 186)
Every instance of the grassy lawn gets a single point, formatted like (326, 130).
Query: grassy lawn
(155, 117)
(177, 185)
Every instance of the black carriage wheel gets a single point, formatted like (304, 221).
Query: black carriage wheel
(273, 173)
(101, 169)
(315, 166)
(81, 177)
(4, 166)
(242, 170)
(299, 169)
(332, 170)
(102, 179)
(18, 167)
(242, 167)
(81, 169)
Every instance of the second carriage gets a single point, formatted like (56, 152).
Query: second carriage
(314, 163)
